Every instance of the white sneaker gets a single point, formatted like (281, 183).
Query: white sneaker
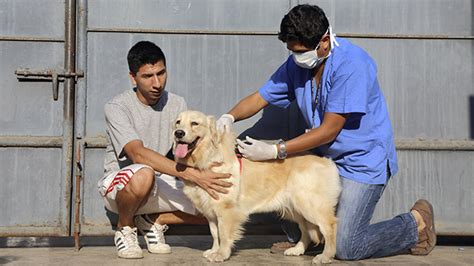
(126, 241)
(153, 234)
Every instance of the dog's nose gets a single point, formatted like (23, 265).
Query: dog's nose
(179, 133)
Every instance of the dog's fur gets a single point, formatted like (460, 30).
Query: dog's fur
(304, 188)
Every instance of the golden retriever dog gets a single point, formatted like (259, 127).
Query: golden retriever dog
(304, 188)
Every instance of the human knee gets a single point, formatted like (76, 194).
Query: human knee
(142, 182)
(348, 249)
(347, 253)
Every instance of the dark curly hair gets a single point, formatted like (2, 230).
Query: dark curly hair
(142, 53)
(304, 23)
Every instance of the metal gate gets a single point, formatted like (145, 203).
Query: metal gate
(36, 141)
(52, 127)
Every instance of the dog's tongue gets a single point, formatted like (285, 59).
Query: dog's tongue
(181, 150)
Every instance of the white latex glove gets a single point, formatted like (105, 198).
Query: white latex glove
(257, 150)
(224, 123)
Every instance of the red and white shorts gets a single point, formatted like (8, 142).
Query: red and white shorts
(167, 195)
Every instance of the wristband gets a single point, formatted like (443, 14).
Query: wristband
(282, 151)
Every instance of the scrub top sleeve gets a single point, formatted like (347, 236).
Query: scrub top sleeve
(350, 90)
(277, 90)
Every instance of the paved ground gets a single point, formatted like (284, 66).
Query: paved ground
(252, 250)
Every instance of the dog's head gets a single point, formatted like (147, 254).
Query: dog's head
(194, 132)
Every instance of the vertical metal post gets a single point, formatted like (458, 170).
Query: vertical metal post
(77, 198)
(69, 100)
(81, 94)
(80, 116)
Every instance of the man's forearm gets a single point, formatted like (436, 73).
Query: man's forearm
(248, 107)
(324, 134)
(162, 164)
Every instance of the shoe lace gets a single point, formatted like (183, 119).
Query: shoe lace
(130, 237)
(159, 231)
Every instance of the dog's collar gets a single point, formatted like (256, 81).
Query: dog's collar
(237, 152)
(239, 158)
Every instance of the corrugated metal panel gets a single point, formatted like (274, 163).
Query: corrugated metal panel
(427, 84)
(34, 192)
(94, 212)
(444, 178)
(28, 107)
(32, 18)
(201, 15)
(432, 17)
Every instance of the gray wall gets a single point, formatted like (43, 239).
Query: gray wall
(220, 51)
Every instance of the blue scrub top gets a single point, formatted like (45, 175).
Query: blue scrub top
(364, 150)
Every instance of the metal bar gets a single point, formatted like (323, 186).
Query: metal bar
(54, 75)
(77, 201)
(68, 115)
(270, 33)
(37, 78)
(30, 39)
(99, 142)
(401, 144)
(81, 92)
(26, 72)
(406, 36)
(187, 32)
(54, 78)
(80, 117)
(95, 142)
(434, 144)
(31, 141)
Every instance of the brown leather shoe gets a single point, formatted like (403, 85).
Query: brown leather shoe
(427, 236)
(280, 247)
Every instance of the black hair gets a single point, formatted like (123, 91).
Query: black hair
(142, 53)
(304, 23)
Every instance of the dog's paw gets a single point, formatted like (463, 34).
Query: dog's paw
(208, 252)
(217, 257)
(294, 251)
(321, 259)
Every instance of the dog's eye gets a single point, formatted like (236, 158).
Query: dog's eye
(178, 121)
(194, 123)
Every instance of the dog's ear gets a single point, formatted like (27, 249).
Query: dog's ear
(215, 134)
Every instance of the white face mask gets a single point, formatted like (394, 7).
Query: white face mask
(310, 59)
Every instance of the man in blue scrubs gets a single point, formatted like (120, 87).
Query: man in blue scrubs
(334, 83)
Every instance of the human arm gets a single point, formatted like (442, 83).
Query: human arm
(246, 108)
(327, 132)
(256, 150)
(211, 182)
(275, 91)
